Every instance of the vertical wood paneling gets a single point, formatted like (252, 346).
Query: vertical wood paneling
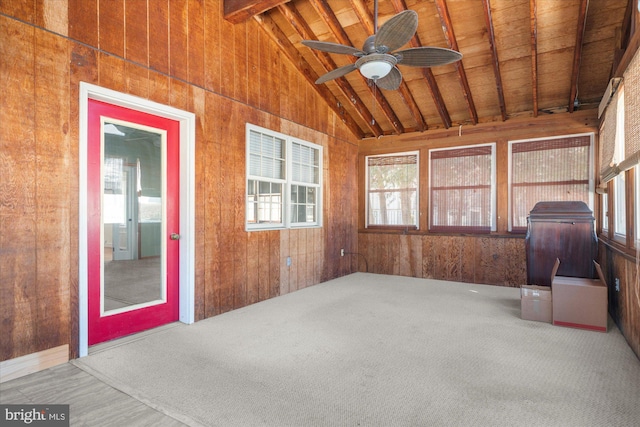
(53, 15)
(196, 42)
(467, 258)
(285, 252)
(240, 60)
(52, 190)
(136, 36)
(83, 21)
(158, 87)
(178, 39)
(212, 46)
(111, 26)
(255, 245)
(136, 80)
(18, 219)
(274, 264)
(158, 36)
(184, 55)
(111, 72)
(294, 242)
(228, 50)
(264, 264)
(23, 10)
(209, 171)
(199, 107)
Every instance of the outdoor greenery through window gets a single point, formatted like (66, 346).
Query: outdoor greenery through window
(462, 189)
(392, 190)
(284, 175)
(550, 169)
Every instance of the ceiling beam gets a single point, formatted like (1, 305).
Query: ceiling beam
(494, 57)
(237, 11)
(399, 6)
(330, 19)
(366, 19)
(533, 9)
(577, 53)
(289, 50)
(291, 14)
(447, 27)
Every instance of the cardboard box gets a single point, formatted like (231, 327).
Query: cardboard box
(535, 303)
(579, 302)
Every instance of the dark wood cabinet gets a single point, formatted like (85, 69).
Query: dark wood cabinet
(563, 230)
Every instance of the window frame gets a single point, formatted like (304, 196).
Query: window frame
(590, 174)
(493, 194)
(286, 182)
(415, 226)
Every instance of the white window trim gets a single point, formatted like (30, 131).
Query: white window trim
(287, 182)
(494, 213)
(590, 171)
(366, 166)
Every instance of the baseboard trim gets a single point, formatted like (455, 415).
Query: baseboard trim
(34, 362)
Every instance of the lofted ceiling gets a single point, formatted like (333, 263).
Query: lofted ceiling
(520, 57)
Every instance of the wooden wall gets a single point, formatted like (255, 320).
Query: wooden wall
(175, 52)
(496, 259)
(624, 297)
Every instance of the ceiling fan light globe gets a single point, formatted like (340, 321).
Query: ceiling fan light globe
(375, 69)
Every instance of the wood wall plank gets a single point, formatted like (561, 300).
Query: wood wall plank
(209, 169)
(18, 179)
(136, 35)
(158, 36)
(83, 21)
(52, 192)
(199, 107)
(53, 15)
(196, 42)
(213, 46)
(111, 72)
(178, 39)
(111, 30)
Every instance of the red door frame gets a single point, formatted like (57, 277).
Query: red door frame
(103, 328)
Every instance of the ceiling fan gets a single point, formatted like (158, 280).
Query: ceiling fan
(377, 60)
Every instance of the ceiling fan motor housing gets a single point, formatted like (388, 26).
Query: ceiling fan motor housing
(376, 65)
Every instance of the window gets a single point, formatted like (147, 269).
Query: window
(619, 208)
(392, 189)
(605, 213)
(462, 194)
(547, 169)
(284, 181)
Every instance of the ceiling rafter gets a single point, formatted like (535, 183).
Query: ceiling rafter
(449, 34)
(533, 10)
(399, 6)
(273, 31)
(237, 11)
(366, 19)
(292, 16)
(577, 53)
(494, 57)
(330, 19)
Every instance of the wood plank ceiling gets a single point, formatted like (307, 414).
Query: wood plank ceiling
(520, 57)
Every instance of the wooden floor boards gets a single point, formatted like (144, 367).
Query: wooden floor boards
(92, 402)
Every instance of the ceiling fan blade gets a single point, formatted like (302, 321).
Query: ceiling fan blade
(397, 31)
(427, 56)
(332, 47)
(338, 72)
(391, 81)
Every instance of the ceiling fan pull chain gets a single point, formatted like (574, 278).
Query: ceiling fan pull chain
(373, 101)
